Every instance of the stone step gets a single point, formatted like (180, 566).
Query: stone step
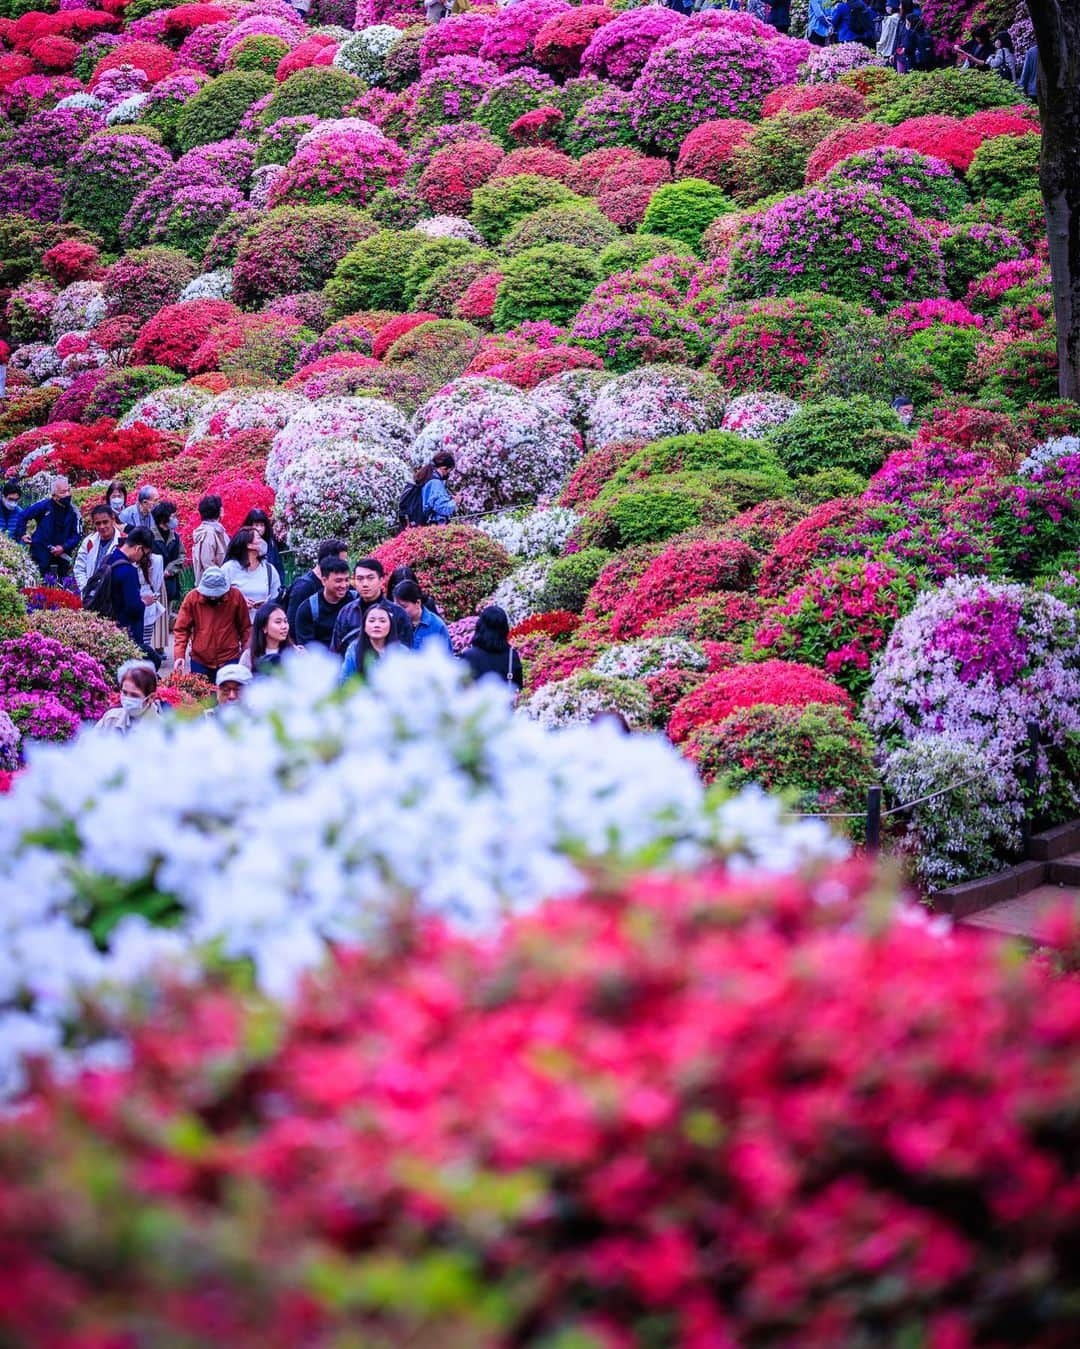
(1024, 915)
(1065, 870)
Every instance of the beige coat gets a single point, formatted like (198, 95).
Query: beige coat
(208, 547)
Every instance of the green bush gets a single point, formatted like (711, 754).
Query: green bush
(684, 209)
(656, 509)
(570, 579)
(215, 112)
(1025, 217)
(278, 143)
(372, 275)
(698, 452)
(448, 283)
(580, 226)
(970, 251)
(398, 208)
(510, 97)
(322, 91)
(773, 156)
(500, 203)
(1003, 167)
(948, 92)
(551, 282)
(12, 610)
(838, 433)
(631, 251)
(259, 51)
(430, 256)
(438, 350)
(828, 484)
(940, 356)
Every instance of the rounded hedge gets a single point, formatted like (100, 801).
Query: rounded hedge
(499, 204)
(855, 433)
(549, 282)
(372, 275)
(295, 248)
(215, 111)
(684, 209)
(319, 91)
(927, 186)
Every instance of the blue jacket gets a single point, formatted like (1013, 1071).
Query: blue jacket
(55, 525)
(9, 520)
(819, 22)
(431, 628)
(128, 609)
(841, 19)
(437, 502)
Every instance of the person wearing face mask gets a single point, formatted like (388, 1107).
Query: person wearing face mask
(246, 567)
(170, 548)
(138, 701)
(59, 529)
(212, 628)
(116, 497)
(95, 548)
(9, 508)
(904, 408)
(259, 521)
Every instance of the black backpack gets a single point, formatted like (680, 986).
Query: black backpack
(410, 508)
(98, 595)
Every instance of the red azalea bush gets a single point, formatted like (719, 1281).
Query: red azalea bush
(72, 260)
(459, 566)
(836, 99)
(527, 370)
(555, 623)
(708, 148)
(716, 1096)
(685, 568)
(177, 331)
(96, 453)
(943, 137)
(536, 159)
(842, 142)
(389, 333)
(537, 127)
(560, 43)
(811, 540)
(153, 59)
(55, 54)
(447, 182)
(777, 683)
(591, 167)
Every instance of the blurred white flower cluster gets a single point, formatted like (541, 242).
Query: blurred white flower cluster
(316, 813)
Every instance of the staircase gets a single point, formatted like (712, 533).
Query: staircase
(1015, 902)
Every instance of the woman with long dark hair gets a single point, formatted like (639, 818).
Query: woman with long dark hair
(247, 569)
(371, 643)
(270, 639)
(116, 496)
(491, 652)
(436, 502)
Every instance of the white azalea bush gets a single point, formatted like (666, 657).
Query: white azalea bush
(365, 53)
(634, 660)
(343, 489)
(315, 813)
(375, 423)
(577, 700)
(520, 594)
(532, 533)
(244, 410)
(1049, 452)
(507, 450)
(216, 285)
(171, 409)
(655, 401)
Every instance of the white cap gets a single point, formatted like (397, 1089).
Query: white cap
(233, 674)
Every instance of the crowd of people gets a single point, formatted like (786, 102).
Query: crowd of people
(240, 618)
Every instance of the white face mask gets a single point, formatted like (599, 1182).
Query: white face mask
(132, 703)
(260, 547)
(117, 503)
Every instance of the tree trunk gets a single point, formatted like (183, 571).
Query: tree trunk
(1057, 32)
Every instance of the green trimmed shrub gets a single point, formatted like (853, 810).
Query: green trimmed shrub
(215, 112)
(631, 251)
(580, 226)
(656, 509)
(948, 92)
(828, 484)
(772, 158)
(1003, 167)
(970, 251)
(698, 452)
(855, 433)
(683, 210)
(940, 357)
(372, 275)
(432, 255)
(322, 91)
(259, 51)
(500, 203)
(570, 579)
(551, 282)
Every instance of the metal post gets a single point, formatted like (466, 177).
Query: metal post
(1031, 782)
(873, 819)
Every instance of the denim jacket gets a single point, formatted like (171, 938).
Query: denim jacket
(438, 504)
